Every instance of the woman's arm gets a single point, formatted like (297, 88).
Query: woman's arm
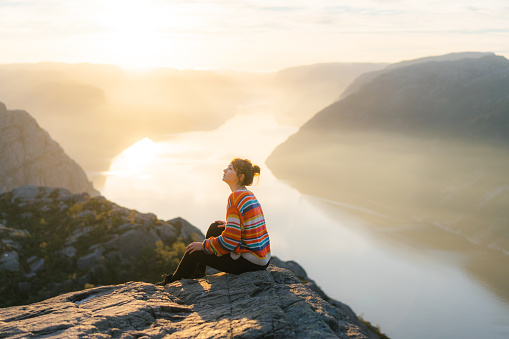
(230, 237)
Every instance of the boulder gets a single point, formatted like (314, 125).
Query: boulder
(134, 241)
(69, 252)
(186, 229)
(37, 265)
(271, 303)
(167, 232)
(9, 261)
(11, 244)
(25, 193)
(90, 259)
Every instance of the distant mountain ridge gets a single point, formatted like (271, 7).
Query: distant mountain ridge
(30, 157)
(369, 76)
(463, 97)
(426, 143)
(303, 90)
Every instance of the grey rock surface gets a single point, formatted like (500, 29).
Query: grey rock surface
(271, 303)
(69, 252)
(186, 229)
(9, 261)
(301, 274)
(37, 265)
(90, 259)
(30, 157)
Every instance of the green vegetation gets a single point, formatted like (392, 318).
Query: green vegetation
(375, 329)
(84, 242)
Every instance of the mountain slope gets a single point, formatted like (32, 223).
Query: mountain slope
(30, 157)
(423, 144)
(301, 91)
(54, 241)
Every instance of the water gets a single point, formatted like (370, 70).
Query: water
(411, 292)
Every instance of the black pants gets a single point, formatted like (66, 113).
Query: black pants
(194, 265)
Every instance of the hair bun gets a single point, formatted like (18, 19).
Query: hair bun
(256, 169)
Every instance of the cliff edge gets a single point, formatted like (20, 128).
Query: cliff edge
(271, 303)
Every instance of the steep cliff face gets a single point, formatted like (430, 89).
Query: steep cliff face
(30, 157)
(421, 144)
(271, 303)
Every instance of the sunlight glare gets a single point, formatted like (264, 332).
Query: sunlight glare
(134, 32)
(136, 161)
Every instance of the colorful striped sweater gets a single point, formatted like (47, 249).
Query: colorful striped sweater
(245, 232)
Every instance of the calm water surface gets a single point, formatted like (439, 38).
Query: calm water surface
(411, 292)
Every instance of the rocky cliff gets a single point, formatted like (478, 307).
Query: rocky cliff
(424, 143)
(53, 241)
(30, 157)
(271, 303)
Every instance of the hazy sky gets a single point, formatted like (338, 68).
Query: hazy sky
(240, 34)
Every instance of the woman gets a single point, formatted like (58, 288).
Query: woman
(241, 244)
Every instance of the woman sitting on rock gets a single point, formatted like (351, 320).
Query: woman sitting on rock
(241, 244)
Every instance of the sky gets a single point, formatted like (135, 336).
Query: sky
(257, 35)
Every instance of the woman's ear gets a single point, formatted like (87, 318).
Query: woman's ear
(241, 178)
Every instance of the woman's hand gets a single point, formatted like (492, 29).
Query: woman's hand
(194, 246)
(223, 223)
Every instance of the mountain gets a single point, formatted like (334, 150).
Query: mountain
(271, 303)
(425, 143)
(368, 76)
(30, 157)
(302, 90)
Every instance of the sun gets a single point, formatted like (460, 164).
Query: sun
(133, 32)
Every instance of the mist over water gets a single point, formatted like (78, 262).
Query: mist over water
(411, 291)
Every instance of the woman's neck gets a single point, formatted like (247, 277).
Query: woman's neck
(237, 187)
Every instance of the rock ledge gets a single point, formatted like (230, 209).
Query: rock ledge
(271, 303)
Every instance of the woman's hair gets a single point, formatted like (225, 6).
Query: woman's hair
(244, 166)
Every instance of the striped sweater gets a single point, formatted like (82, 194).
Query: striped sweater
(245, 232)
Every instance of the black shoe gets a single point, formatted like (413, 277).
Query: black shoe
(167, 279)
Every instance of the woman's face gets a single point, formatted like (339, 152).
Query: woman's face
(229, 175)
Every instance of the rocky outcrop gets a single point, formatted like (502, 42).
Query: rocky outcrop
(30, 157)
(53, 241)
(271, 303)
(300, 273)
